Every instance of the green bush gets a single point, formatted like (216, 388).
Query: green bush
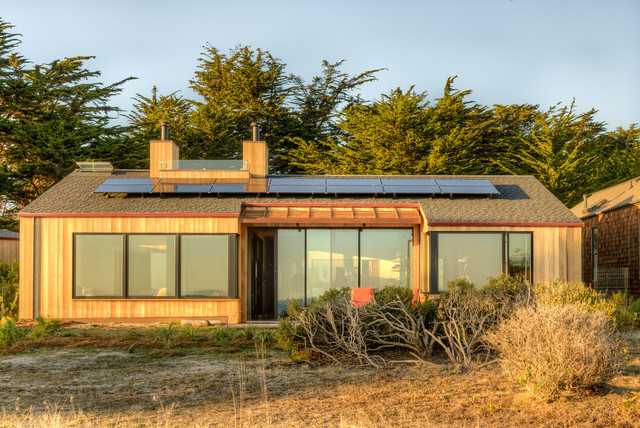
(166, 335)
(248, 332)
(191, 333)
(9, 281)
(9, 332)
(223, 335)
(560, 293)
(44, 328)
(624, 315)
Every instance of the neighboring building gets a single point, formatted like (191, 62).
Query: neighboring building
(224, 240)
(610, 237)
(9, 246)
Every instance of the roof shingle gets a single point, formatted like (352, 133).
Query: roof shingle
(522, 199)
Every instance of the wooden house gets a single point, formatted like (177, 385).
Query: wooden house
(226, 240)
(610, 237)
(9, 246)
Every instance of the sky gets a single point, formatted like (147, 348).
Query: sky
(506, 51)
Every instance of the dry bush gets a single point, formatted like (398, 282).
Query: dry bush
(553, 348)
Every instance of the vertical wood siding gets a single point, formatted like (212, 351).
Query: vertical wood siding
(57, 270)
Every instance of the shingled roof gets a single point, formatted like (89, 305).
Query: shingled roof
(611, 198)
(522, 199)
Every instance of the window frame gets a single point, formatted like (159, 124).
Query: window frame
(232, 245)
(124, 267)
(433, 253)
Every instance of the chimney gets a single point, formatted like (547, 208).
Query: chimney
(162, 153)
(256, 131)
(255, 154)
(164, 131)
(586, 204)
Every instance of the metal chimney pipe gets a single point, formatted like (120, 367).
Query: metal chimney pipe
(585, 197)
(164, 131)
(256, 131)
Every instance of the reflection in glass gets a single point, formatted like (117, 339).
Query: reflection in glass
(151, 267)
(386, 257)
(520, 255)
(98, 265)
(290, 268)
(474, 256)
(332, 260)
(205, 265)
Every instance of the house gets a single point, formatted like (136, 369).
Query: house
(225, 240)
(9, 246)
(610, 236)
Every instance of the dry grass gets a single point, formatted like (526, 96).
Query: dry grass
(261, 387)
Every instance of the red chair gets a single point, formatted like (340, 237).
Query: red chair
(361, 296)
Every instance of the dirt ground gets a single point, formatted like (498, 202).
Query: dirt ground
(209, 386)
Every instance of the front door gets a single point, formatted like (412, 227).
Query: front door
(262, 289)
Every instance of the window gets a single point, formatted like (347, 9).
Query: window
(311, 261)
(477, 256)
(519, 258)
(157, 265)
(332, 260)
(99, 261)
(207, 266)
(594, 254)
(151, 266)
(386, 258)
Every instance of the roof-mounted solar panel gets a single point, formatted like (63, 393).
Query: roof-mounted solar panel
(293, 181)
(355, 189)
(408, 182)
(469, 190)
(310, 189)
(353, 182)
(409, 190)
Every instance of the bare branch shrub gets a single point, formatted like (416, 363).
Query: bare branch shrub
(333, 328)
(553, 348)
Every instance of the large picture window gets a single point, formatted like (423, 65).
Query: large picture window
(478, 256)
(207, 265)
(99, 266)
(157, 265)
(311, 261)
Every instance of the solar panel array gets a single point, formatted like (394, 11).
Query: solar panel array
(311, 186)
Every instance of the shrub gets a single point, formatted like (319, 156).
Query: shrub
(223, 335)
(248, 332)
(561, 293)
(191, 334)
(9, 281)
(552, 348)
(264, 336)
(9, 332)
(625, 315)
(166, 335)
(44, 328)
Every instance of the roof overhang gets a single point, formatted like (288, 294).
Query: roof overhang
(334, 214)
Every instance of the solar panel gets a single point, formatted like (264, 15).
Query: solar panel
(295, 189)
(422, 190)
(408, 182)
(318, 186)
(462, 182)
(353, 182)
(125, 185)
(469, 190)
(189, 188)
(228, 188)
(292, 181)
(124, 189)
(363, 189)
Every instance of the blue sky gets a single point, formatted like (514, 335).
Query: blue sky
(519, 51)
